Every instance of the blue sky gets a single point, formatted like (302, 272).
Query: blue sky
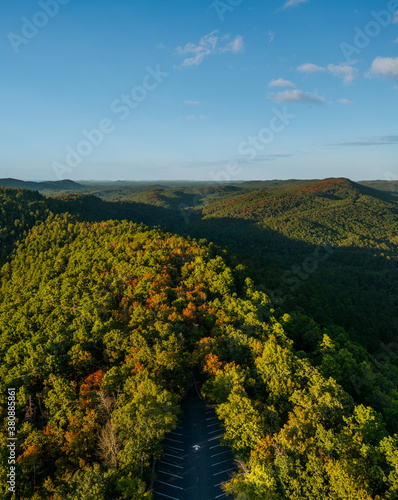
(186, 89)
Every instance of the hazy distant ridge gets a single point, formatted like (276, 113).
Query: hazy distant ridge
(39, 186)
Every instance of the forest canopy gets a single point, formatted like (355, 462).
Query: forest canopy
(102, 325)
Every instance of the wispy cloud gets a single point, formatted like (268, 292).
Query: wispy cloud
(395, 41)
(280, 82)
(310, 68)
(293, 3)
(345, 71)
(192, 103)
(235, 46)
(271, 35)
(346, 102)
(395, 18)
(297, 96)
(209, 45)
(271, 157)
(380, 140)
(384, 66)
(206, 46)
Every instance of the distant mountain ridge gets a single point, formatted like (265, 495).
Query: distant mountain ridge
(40, 186)
(67, 184)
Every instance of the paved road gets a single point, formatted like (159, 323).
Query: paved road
(186, 473)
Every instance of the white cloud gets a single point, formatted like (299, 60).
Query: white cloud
(384, 66)
(395, 41)
(297, 96)
(345, 71)
(192, 103)
(207, 42)
(293, 3)
(235, 46)
(310, 68)
(271, 35)
(395, 18)
(346, 102)
(208, 45)
(379, 140)
(271, 157)
(280, 82)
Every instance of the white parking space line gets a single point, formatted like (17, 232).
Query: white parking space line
(217, 430)
(169, 474)
(217, 437)
(171, 465)
(168, 484)
(211, 418)
(221, 453)
(222, 472)
(212, 425)
(217, 445)
(222, 495)
(167, 496)
(174, 440)
(223, 462)
(219, 484)
(173, 456)
(176, 433)
(172, 447)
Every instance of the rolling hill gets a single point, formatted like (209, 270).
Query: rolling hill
(101, 327)
(42, 186)
(291, 333)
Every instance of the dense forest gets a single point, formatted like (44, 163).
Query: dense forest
(290, 331)
(276, 228)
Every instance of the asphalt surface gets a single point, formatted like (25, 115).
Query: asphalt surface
(194, 464)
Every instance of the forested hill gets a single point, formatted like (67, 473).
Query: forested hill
(355, 286)
(21, 209)
(337, 210)
(102, 323)
(101, 326)
(65, 184)
(274, 231)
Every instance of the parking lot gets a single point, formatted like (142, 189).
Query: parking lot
(195, 464)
